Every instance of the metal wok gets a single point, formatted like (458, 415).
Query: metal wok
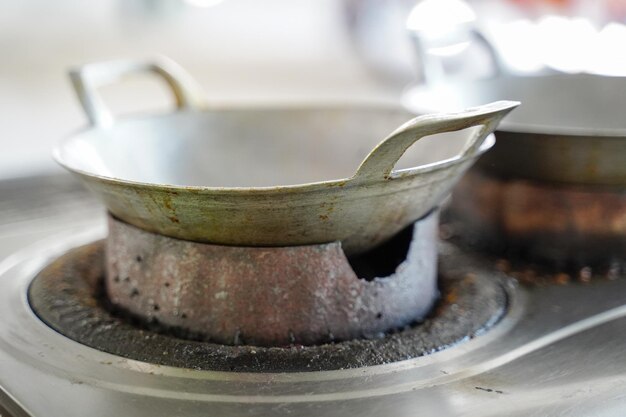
(264, 176)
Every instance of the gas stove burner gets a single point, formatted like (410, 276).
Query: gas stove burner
(272, 296)
(552, 350)
(68, 296)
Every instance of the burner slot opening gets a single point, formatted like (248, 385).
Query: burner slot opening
(383, 260)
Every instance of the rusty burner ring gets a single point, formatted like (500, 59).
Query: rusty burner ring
(563, 226)
(68, 296)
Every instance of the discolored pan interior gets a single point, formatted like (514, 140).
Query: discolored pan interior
(246, 147)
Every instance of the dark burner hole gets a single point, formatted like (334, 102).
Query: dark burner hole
(379, 315)
(167, 284)
(183, 316)
(384, 259)
(134, 292)
(116, 279)
(155, 307)
(139, 258)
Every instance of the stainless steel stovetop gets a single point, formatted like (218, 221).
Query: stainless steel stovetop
(557, 352)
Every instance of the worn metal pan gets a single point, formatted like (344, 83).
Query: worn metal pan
(553, 189)
(570, 129)
(264, 176)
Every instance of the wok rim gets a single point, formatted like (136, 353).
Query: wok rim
(488, 143)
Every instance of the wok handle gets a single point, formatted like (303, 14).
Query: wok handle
(88, 78)
(379, 164)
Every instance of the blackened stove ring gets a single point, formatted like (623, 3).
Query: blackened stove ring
(66, 295)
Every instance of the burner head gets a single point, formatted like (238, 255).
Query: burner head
(272, 296)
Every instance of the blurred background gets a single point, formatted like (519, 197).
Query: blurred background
(281, 50)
